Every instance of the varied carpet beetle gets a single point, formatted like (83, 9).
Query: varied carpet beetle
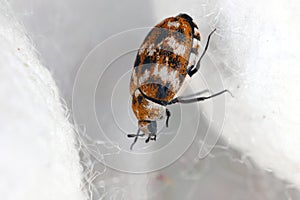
(166, 57)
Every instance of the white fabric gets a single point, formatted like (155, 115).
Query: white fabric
(38, 158)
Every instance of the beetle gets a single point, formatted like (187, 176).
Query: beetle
(165, 59)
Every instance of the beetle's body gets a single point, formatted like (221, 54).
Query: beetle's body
(165, 58)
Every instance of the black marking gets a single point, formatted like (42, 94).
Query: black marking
(162, 91)
(168, 113)
(140, 99)
(147, 140)
(174, 61)
(189, 70)
(148, 60)
(165, 53)
(160, 102)
(189, 19)
(151, 137)
(133, 101)
(186, 16)
(180, 30)
(196, 36)
(149, 121)
(137, 61)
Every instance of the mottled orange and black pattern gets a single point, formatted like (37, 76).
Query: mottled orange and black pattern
(156, 50)
(141, 108)
(161, 64)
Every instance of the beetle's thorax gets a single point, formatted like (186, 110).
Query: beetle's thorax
(145, 109)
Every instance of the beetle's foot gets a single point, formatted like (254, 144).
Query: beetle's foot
(151, 137)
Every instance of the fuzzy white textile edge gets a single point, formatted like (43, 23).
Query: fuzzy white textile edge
(256, 48)
(263, 119)
(39, 159)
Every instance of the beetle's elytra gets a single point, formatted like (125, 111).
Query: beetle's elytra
(166, 57)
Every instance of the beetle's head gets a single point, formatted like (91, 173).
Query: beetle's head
(148, 128)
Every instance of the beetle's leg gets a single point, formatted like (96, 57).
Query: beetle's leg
(168, 113)
(135, 139)
(150, 137)
(192, 100)
(195, 94)
(191, 70)
(154, 137)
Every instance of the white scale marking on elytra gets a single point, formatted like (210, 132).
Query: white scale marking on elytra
(178, 49)
(197, 32)
(143, 48)
(166, 76)
(163, 73)
(151, 50)
(174, 24)
(196, 43)
(144, 77)
(193, 56)
(174, 80)
(193, 59)
(159, 110)
(155, 72)
(134, 78)
(136, 94)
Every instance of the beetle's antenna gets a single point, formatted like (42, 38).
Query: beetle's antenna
(206, 46)
(135, 139)
(194, 70)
